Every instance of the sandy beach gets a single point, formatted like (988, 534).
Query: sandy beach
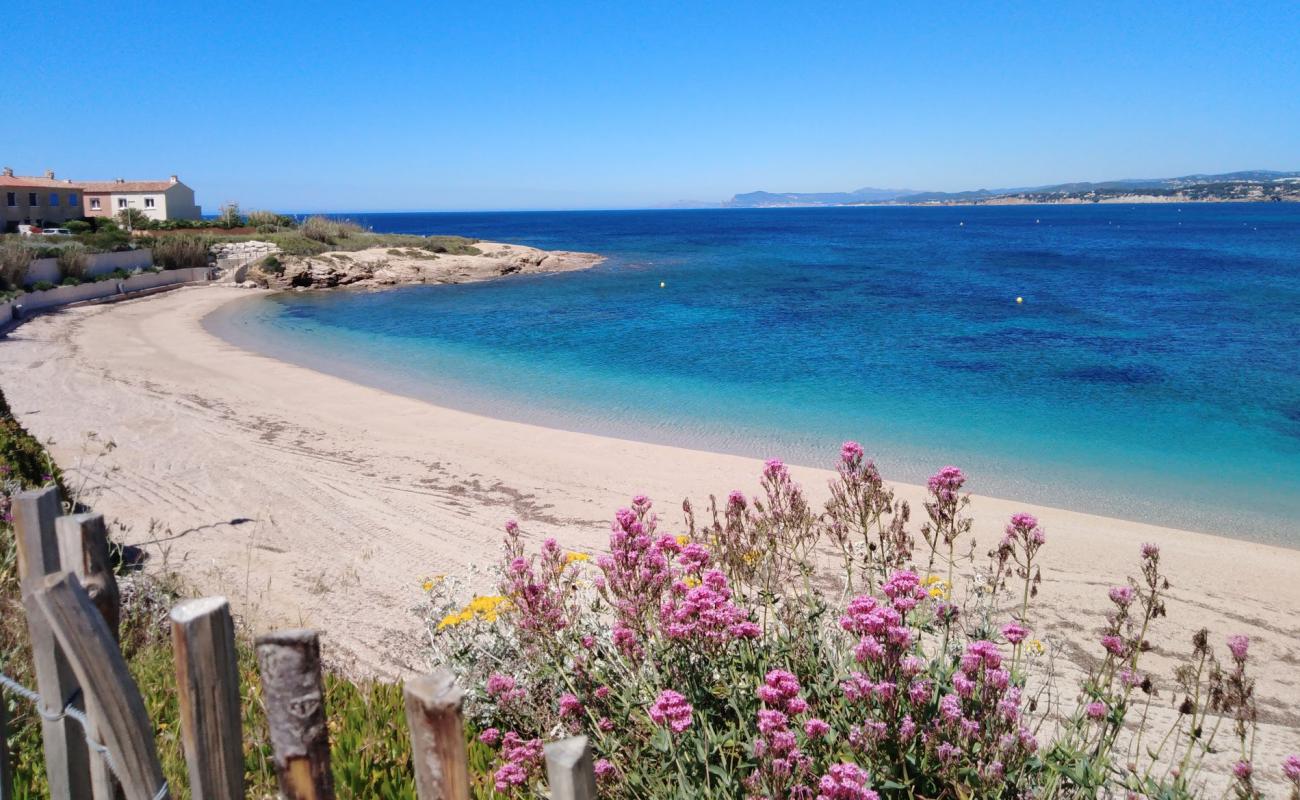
(311, 500)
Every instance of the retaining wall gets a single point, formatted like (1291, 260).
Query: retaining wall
(47, 269)
(31, 302)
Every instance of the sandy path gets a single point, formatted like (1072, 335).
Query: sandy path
(354, 495)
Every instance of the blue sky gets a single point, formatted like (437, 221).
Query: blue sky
(374, 106)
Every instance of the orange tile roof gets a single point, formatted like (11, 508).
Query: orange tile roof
(22, 181)
(98, 187)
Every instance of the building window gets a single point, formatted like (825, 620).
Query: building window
(54, 199)
(31, 199)
(72, 199)
(11, 199)
(94, 203)
(121, 202)
(148, 202)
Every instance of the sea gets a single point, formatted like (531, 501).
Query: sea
(1140, 362)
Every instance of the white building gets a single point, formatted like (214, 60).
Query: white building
(169, 199)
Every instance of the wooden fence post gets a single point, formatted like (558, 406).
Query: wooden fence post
(110, 691)
(433, 714)
(6, 779)
(67, 761)
(207, 674)
(289, 662)
(570, 772)
(83, 551)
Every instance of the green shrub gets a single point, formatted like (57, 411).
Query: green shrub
(134, 219)
(272, 265)
(78, 226)
(15, 258)
(181, 252)
(70, 281)
(41, 286)
(72, 261)
(329, 231)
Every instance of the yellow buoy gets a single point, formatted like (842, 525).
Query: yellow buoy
(662, 284)
(1020, 299)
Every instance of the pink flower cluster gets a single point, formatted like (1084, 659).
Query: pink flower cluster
(845, 782)
(503, 689)
(885, 637)
(946, 484)
(671, 709)
(522, 759)
(783, 766)
(635, 574)
(704, 615)
(1023, 530)
(538, 601)
(1291, 769)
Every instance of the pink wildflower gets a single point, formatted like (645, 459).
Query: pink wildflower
(604, 769)
(569, 705)
(490, 737)
(671, 709)
(1291, 768)
(851, 451)
(1243, 770)
(1238, 644)
(816, 728)
(845, 782)
(1024, 529)
(946, 483)
(1095, 710)
(1121, 596)
(1015, 632)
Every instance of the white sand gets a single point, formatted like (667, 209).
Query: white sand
(356, 495)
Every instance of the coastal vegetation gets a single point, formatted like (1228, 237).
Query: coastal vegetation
(731, 660)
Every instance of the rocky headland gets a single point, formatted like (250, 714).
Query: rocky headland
(384, 266)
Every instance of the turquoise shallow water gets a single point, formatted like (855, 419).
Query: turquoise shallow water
(1152, 373)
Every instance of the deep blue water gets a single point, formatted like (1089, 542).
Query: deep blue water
(1152, 371)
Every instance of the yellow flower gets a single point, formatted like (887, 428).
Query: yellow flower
(427, 585)
(485, 608)
(452, 620)
(569, 558)
(936, 586)
(1035, 646)
(691, 581)
(683, 540)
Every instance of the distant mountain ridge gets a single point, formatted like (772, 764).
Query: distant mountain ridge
(1233, 185)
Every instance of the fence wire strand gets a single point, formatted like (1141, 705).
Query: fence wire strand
(77, 714)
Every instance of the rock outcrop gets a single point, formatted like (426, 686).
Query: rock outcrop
(390, 266)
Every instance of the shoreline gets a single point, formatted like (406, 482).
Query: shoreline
(309, 499)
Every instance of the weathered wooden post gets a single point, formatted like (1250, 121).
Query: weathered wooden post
(433, 713)
(289, 662)
(83, 551)
(99, 666)
(570, 772)
(67, 761)
(207, 674)
(6, 779)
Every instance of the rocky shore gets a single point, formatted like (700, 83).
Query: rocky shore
(379, 267)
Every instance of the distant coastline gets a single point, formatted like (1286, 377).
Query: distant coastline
(1253, 186)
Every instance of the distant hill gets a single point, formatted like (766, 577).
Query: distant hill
(773, 200)
(1244, 185)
